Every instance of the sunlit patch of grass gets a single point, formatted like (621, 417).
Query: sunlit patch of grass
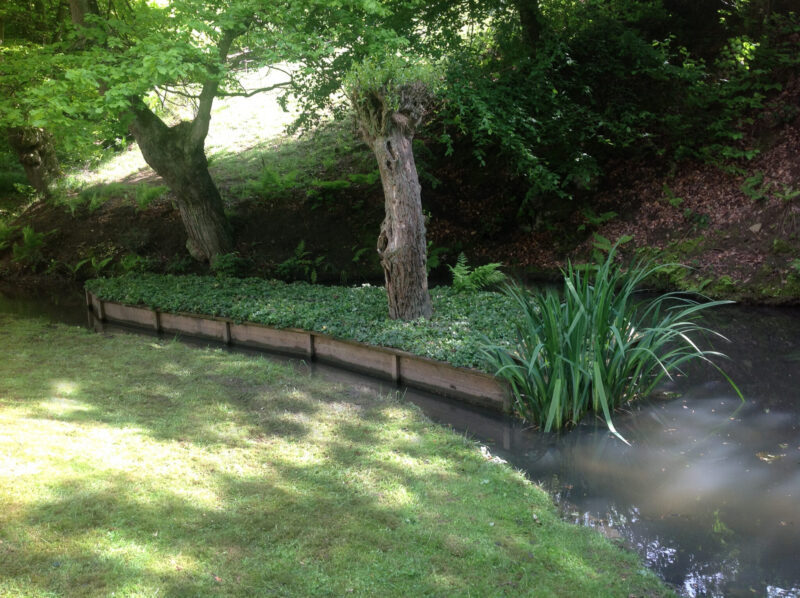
(189, 472)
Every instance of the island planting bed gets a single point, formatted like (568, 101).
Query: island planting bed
(344, 326)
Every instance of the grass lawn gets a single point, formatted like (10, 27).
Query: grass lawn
(136, 467)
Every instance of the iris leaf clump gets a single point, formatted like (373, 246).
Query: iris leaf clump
(598, 344)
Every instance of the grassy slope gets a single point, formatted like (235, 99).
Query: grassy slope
(141, 468)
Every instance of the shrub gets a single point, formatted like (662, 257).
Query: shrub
(301, 265)
(598, 347)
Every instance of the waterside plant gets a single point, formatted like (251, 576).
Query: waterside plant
(598, 345)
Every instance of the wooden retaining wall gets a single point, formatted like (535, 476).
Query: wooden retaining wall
(399, 366)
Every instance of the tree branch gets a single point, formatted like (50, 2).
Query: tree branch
(248, 94)
(202, 120)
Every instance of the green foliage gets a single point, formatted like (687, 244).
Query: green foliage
(179, 264)
(755, 187)
(466, 278)
(781, 246)
(671, 198)
(596, 347)
(301, 265)
(273, 185)
(606, 81)
(9, 179)
(597, 89)
(453, 334)
(386, 76)
(787, 193)
(365, 179)
(144, 195)
(71, 202)
(132, 262)
(358, 253)
(6, 233)
(99, 264)
(593, 219)
(29, 251)
(435, 255)
(324, 192)
(227, 265)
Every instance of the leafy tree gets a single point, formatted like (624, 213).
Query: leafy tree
(120, 53)
(23, 24)
(552, 91)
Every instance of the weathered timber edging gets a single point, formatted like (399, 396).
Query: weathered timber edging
(392, 364)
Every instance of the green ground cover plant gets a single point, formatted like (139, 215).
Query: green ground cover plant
(597, 345)
(133, 466)
(454, 333)
(469, 278)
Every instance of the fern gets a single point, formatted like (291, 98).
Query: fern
(466, 278)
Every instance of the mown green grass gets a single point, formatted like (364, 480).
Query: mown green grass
(135, 467)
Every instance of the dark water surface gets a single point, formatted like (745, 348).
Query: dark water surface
(709, 491)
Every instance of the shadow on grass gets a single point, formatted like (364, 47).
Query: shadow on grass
(203, 473)
(304, 529)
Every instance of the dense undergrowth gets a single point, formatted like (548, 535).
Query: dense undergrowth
(454, 334)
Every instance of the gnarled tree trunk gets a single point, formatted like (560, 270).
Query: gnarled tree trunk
(401, 243)
(387, 119)
(35, 151)
(178, 156)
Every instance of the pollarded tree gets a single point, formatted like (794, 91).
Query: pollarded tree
(390, 100)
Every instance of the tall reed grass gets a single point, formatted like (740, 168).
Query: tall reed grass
(599, 345)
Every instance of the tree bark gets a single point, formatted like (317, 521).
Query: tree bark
(80, 8)
(177, 154)
(530, 17)
(401, 243)
(35, 151)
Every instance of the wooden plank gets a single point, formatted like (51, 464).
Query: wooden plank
(474, 387)
(97, 308)
(194, 326)
(293, 342)
(139, 316)
(357, 356)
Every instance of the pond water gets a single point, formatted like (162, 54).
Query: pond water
(709, 491)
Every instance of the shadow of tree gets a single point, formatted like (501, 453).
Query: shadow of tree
(242, 478)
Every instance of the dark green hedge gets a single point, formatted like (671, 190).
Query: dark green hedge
(454, 333)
